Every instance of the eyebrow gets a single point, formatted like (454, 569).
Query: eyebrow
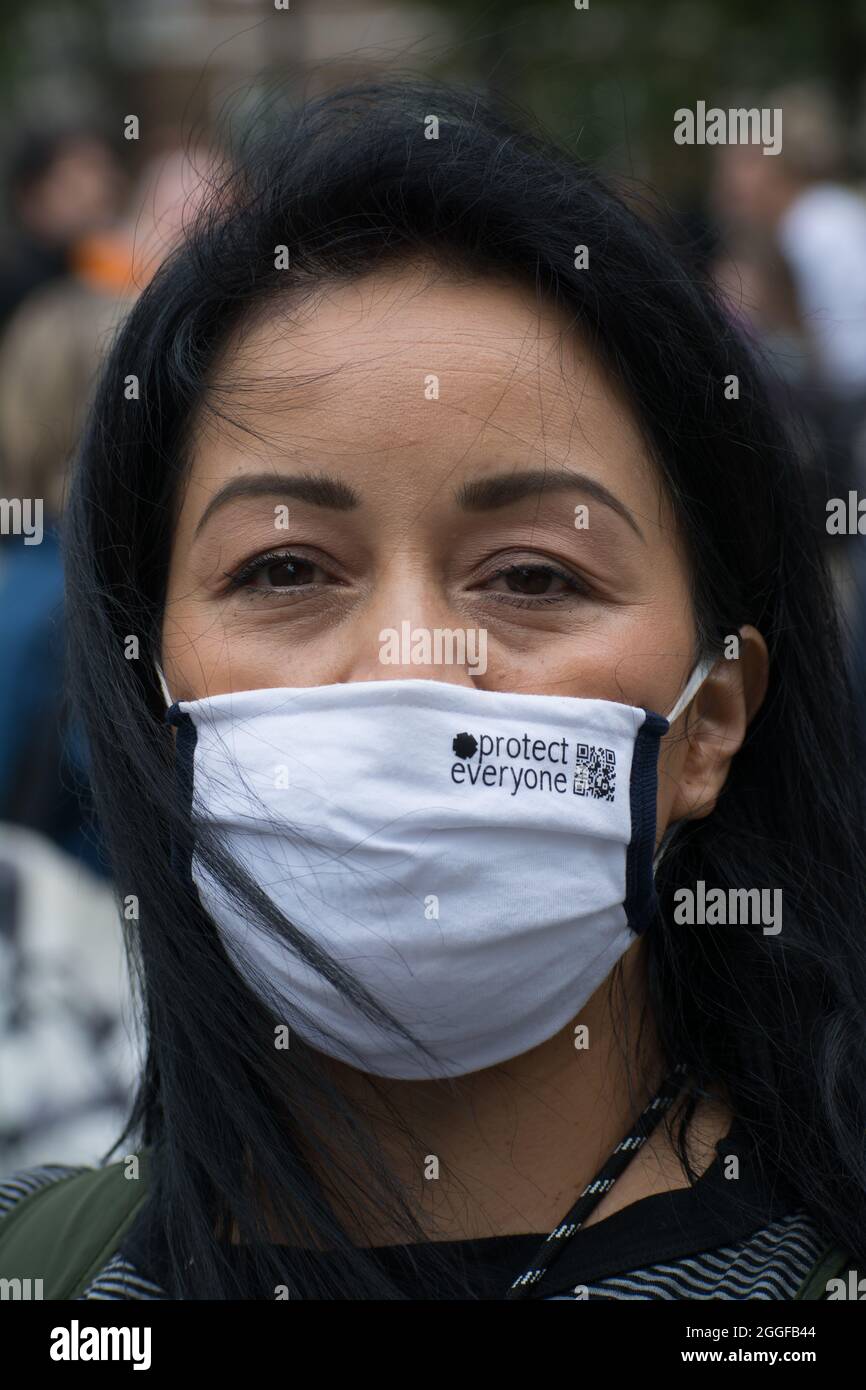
(485, 494)
(316, 489)
(506, 488)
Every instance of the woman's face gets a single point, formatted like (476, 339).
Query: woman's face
(443, 456)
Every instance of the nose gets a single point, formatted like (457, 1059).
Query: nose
(408, 631)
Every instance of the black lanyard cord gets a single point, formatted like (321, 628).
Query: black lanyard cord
(601, 1183)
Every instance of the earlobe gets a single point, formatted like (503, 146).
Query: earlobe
(715, 725)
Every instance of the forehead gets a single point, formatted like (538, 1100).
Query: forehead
(472, 369)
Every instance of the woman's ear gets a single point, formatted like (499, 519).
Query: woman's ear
(711, 731)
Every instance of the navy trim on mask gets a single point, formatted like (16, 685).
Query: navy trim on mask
(640, 894)
(184, 759)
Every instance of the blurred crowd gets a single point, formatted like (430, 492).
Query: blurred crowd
(785, 246)
(82, 242)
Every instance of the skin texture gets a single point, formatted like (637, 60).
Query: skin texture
(335, 387)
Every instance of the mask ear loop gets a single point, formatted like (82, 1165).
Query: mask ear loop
(689, 691)
(692, 686)
(163, 686)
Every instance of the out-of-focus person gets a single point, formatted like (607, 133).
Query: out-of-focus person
(61, 185)
(799, 198)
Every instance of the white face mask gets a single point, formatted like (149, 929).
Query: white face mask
(479, 861)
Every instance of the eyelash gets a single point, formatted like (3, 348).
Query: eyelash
(573, 583)
(239, 579)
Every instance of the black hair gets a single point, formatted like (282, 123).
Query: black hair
(349, 182)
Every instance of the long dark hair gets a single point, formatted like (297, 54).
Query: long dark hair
(778, 1023)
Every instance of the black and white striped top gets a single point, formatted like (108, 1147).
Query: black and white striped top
(719, 1239)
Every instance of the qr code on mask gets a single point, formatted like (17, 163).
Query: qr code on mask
(595, 772)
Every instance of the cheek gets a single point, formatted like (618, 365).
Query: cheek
(193, 644)
(197, 656)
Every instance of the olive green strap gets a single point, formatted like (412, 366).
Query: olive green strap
(64, 1233)
(832, 1262)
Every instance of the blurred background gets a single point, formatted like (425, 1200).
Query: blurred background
(112, 116)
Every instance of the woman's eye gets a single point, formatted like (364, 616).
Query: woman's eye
(537, 581)
(279, 572)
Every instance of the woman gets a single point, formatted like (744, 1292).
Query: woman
(421, 486)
